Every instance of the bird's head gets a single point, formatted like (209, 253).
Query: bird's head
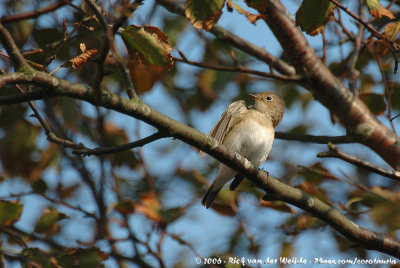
(271, 104)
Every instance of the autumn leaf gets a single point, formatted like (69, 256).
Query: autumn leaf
(149, 55)
(150, 207)
(82, 58)
(313, 15)
(391, 31)
(259, 5)
(9, 212)
(204, 14)
(251, 17)
(377, 10)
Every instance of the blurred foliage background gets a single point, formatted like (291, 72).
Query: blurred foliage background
(141, 207)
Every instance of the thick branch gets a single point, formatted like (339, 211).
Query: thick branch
(236, 41)
(326, 88)
(275, 188)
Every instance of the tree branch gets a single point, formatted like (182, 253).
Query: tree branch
(120, 148)
(234, 40)
(111, 44)
(240, 69)
(12, 49)
(326, 88)
(336, 153)
(276, 189)
(315, 139)
(33, 14)
(393, 45)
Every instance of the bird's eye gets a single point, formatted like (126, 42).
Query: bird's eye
(268, 98)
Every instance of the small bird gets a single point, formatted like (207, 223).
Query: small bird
(247, 130)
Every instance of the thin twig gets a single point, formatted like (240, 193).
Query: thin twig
(234, 40)
(380, 64)
(111, 44)
(120, 148)
(282, 192)
(33, 14)
(374, 32)
(51, 136)
(11, 48)
(336, 153)
(324, 45)
(315, 139)
(354, 73)
(293, 78)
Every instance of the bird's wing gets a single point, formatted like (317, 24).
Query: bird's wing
(224, 124)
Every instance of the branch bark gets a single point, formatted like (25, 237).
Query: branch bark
(276, 189)
(326, 88)
(225, 36)
(53, 87)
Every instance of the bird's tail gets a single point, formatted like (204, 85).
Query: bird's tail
(210, 195)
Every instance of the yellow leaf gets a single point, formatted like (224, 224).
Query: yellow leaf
(391, 31)
(377, 10)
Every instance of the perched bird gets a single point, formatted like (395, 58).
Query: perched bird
(247, 130)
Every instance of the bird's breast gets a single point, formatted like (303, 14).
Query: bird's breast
(252, 138)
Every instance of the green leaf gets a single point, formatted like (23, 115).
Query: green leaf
(47, 223)
(82, 258)
(377, 10)
(35, 257)
(204, 14)
(149, 55)
(124, 207)
(375, 102)
(313, 15)
(9, 212)
(39, 186)
(149, 44)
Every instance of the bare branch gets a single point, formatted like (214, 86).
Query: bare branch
(11, 48)
(315, 139)
(33, 14)
(374, 32)
(336, 153)
(277, 190)
(110, 40)
(240, 69)
(120, 148)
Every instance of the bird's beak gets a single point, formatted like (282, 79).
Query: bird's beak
(254, 96)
